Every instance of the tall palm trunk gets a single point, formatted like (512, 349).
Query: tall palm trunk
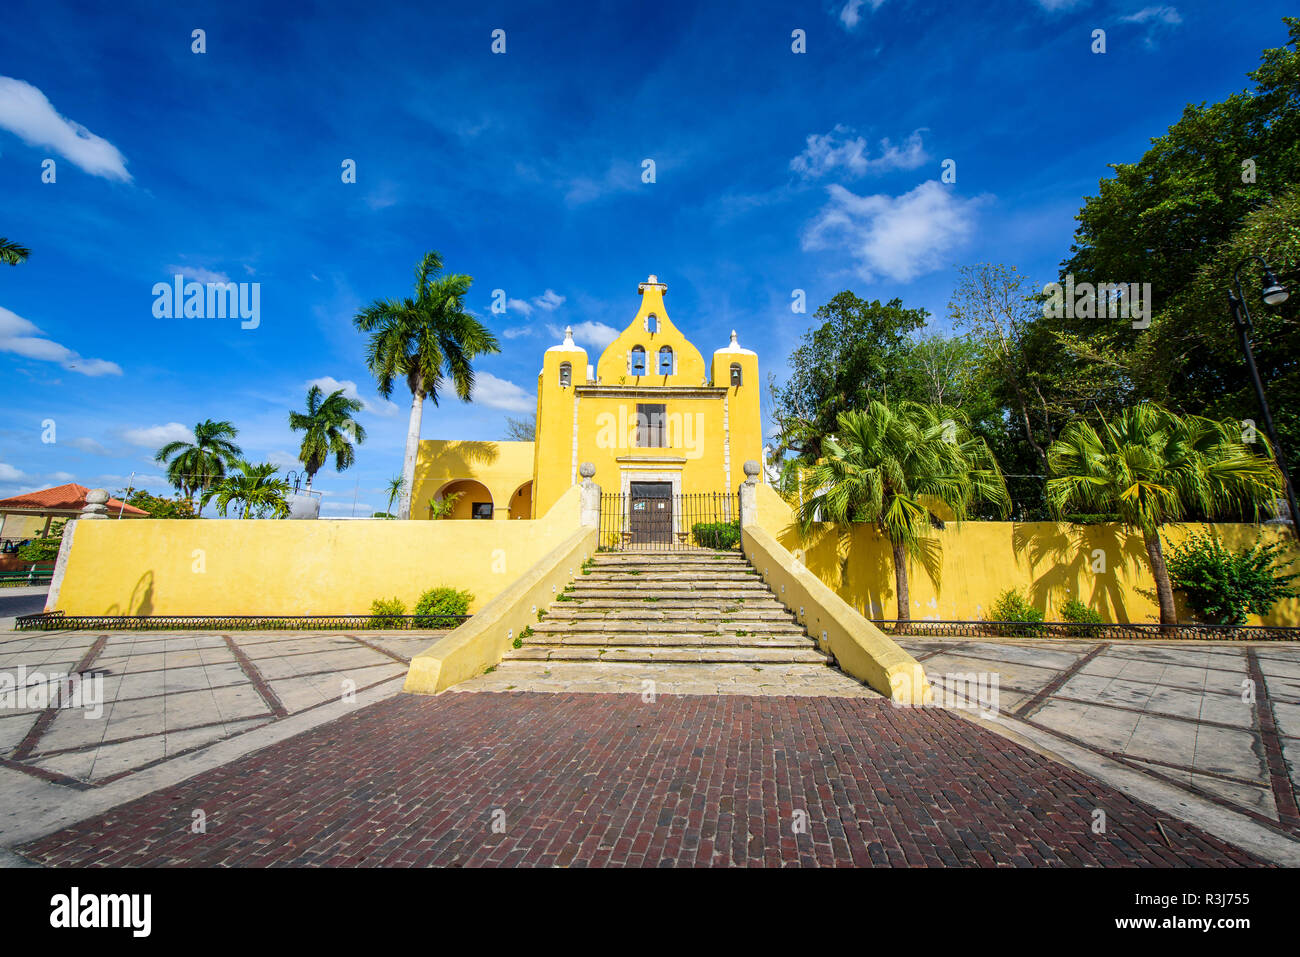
(412, 448)
(900, 582)
(1164, 590)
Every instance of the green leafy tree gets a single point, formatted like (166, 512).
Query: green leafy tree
(45, 548)
(1152, 467)
(12, 253)
(329, 429)
(1217, 185)
(857, 354)
(890, 465)
(156, 505)
(195, 467)
(424, 341)
(253, 488)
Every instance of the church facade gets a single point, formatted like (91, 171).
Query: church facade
(653, 416)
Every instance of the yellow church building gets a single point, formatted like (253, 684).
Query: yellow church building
(656, 419)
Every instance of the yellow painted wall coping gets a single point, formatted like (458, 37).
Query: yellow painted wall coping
(482, 641)
(860, 648)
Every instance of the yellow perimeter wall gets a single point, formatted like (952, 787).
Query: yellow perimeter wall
(972, 563)
(322, 567)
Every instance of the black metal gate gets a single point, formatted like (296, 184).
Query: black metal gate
(650, 516)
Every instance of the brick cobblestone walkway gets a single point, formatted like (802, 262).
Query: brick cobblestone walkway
(586, 779)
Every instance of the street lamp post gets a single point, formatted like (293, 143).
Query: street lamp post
(1274, 294)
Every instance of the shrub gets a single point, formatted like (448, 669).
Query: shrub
(43, 549)
(1077, 612)
(438, 604)
(1222, 586)
(1012, 606)
(720, 535)
(387, 612)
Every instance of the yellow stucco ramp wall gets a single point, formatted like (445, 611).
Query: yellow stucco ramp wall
(482, 641)
(965, 567)
(322, 567)
(860, 648)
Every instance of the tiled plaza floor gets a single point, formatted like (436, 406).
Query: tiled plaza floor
(590, 779)
(166, 694)
(1221, 720)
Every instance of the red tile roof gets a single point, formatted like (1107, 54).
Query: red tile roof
(64, 498)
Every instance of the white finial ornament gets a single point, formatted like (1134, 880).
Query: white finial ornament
(734, 344)
(568, 335)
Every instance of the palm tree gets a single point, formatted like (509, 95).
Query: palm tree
(1152, 467)
(424, 341)
(443, 509)
(396, 488)
(330, 430)
(254, 488)
(194, 467)
(12, 253)
(891, 465)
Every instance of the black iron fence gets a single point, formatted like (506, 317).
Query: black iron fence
(649, 517)
(58, 621)
(1084, 630)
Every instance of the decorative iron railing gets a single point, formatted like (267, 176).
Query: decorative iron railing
(922, 628)
(58, 621)
(648, 519)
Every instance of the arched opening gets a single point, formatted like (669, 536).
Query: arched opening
(736, 377)
(473, 500)
(566, 375)
(652, 323)
(666, 360)
(521, 503)
(636, 364)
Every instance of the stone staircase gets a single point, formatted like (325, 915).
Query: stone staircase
(694, 621)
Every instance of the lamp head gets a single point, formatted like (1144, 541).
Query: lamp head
(1274, 292)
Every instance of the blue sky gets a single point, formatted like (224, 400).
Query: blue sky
(774, 171)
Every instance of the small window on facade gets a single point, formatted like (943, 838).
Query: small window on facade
(666, 360)
(735, 373)
(481, 510)
(652, 323)
(566, 375)
(637, 365)
(651, 426)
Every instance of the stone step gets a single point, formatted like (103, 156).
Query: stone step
(666, 627)
(654, 611)
(702, 555)
(680, 586)
(688, 639)
(698, 654)
(672, 579)
(637, 599)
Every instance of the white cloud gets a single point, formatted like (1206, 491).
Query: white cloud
(1054, 5)
(594, 334)
(516, 331)
(548, 301)
(898, 237)
(838, 150)
(851, 12)
(88, 445)
(501, 394)
(1167, 15)
(380, 406)
(26, 112)
(282, 459)
(63, 478)
(518, 305)
(10, 474)
(156, 436)
(198, 274)
(19, 336)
